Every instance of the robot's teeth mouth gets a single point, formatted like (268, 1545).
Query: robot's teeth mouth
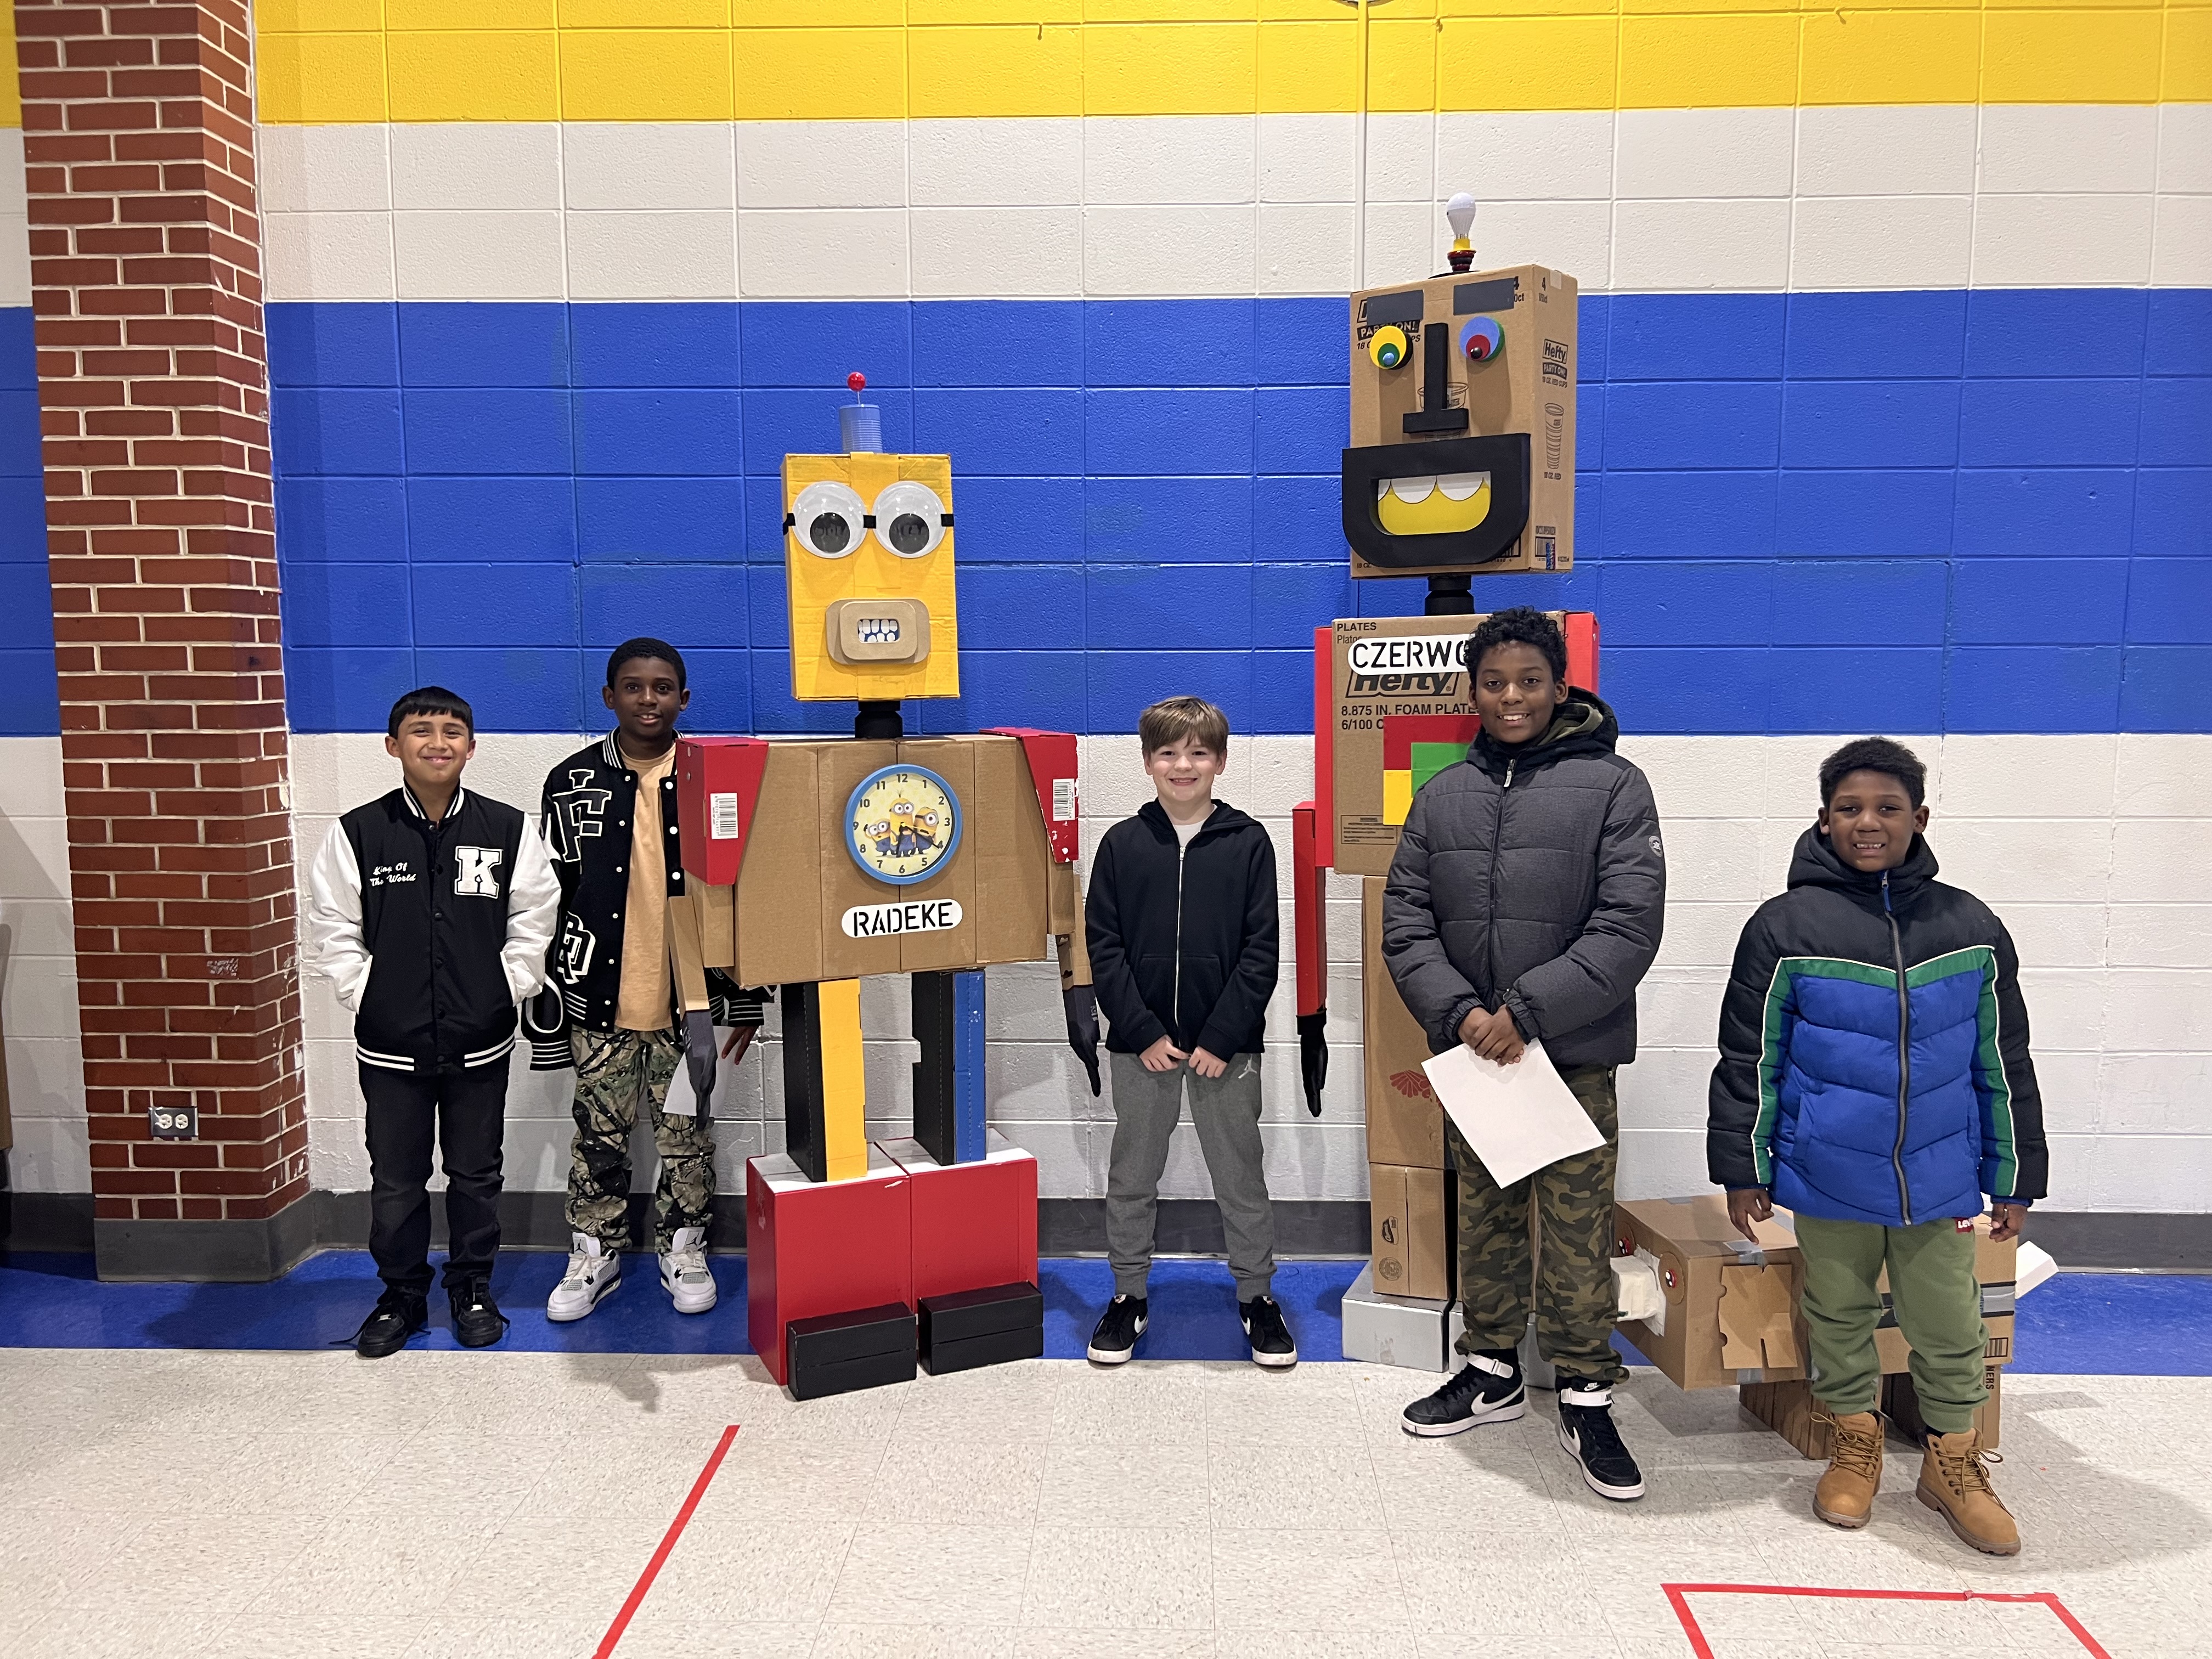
(1432, 504)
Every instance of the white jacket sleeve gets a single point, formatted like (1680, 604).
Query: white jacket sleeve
(336, 947)
(533, 901)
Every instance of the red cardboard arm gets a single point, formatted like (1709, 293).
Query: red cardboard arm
(1582, 649)
(1324, 777)
(1051, 756)
(1309, 910)
(718, 785)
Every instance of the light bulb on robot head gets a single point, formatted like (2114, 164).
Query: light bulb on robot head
(1459, 214)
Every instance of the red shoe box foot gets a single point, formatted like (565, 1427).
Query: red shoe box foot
(974, 1225)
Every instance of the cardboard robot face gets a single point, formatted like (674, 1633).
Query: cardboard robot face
(868, 561)
(1462, 456)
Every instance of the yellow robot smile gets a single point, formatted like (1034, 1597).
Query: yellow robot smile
(1432, 505)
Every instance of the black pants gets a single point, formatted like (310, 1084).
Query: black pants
(467, 1112)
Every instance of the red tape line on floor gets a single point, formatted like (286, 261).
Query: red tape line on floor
(1677, 1595)
(667, 1544)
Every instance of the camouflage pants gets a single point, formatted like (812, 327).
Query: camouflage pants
(615, 1071)
(1572, 1279)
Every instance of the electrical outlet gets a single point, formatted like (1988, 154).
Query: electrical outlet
(173, 1122)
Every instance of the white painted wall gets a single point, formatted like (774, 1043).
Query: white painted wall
(38, 973)
(2106, 880)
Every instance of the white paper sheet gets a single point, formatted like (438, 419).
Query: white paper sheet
(1518, 1118)
(682, 1100)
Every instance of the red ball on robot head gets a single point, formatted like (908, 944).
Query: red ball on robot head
(858, 381)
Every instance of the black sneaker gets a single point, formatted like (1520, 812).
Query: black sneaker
(478, 1322)
(1118, 1328)
(1488, 1389)
(1272, 1344)
(1587, 1430)
(396, 1316)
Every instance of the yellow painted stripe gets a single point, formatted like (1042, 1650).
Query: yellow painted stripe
(11, 95)
(717, 60)
(844, 1083)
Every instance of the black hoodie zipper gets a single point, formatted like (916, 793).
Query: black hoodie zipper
(1903, 1051)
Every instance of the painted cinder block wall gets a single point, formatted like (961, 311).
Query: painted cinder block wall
(1897, 414)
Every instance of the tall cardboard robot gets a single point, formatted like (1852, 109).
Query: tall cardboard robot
(1461, 465)
(816, 862)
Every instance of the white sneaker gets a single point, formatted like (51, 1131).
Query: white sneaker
(594, 1273)
(684, 1273)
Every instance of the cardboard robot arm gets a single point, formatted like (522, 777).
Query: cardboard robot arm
(1309, 950)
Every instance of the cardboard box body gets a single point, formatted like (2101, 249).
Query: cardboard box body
(1728, 1313)
(1404, 1122)
(1401, 703)
(783, 921)
(1418, 1334)
(1527, 387)
(1787, 1408)
(816, 1248)
(1411, 1219)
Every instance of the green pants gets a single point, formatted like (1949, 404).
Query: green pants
(619, 1074)
(1937, 1300)
(1570, 1281)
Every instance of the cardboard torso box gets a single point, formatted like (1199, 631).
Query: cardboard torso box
(1405, 1123)
(785, 921)
(1731, 1312)
(1402, 712)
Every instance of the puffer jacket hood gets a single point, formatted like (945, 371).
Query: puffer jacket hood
(1531, 877)
(1874, 1062)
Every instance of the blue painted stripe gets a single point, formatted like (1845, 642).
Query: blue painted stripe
(967, 1068)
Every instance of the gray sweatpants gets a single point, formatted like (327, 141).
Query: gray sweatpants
(1226, 1112)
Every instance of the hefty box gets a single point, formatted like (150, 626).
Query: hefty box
(1401, 712)
(1462, 435)
(1730, 1313)
(1409, 1211)
(1405, 1123)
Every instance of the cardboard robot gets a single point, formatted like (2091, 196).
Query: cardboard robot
(817, 862)
(1461, 464)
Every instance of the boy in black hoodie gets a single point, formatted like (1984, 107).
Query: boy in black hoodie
(1524, 904)
(1182, 924)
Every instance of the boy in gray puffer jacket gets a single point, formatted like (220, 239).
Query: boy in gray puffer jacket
(1525, 904)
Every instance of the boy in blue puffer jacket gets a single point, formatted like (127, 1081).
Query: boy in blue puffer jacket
(1874, 1079)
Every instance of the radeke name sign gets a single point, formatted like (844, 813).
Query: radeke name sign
(916, 916)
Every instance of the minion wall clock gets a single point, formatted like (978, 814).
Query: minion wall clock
(902, 824)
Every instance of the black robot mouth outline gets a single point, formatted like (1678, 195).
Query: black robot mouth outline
(1504, 457)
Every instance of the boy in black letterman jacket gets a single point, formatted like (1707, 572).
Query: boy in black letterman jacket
(611, 1006)
(430, 909)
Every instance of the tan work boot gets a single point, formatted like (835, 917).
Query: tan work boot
(1955, 1482)
(1844, 1496)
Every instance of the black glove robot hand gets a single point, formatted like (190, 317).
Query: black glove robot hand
(1081, 1002)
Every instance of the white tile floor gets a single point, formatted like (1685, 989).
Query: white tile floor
(472, 1506)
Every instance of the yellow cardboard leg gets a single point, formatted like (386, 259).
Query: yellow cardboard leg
(844, 1084)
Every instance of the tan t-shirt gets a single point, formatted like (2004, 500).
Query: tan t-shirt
(643, 1001)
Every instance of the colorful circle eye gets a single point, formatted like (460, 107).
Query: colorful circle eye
(1482, 339)
(1388, 347)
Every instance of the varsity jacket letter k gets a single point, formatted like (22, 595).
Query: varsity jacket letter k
(472, 871)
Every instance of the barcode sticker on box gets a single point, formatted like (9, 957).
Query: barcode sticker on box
(723, 809)
(1063, 800)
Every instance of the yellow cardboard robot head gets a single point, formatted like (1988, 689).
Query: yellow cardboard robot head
(868, 561)
(1462, 420)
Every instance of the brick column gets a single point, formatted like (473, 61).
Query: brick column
(153, 389)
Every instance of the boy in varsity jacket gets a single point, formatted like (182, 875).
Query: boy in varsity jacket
(611, 1006)
(430, 909)
(1874, 1078)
